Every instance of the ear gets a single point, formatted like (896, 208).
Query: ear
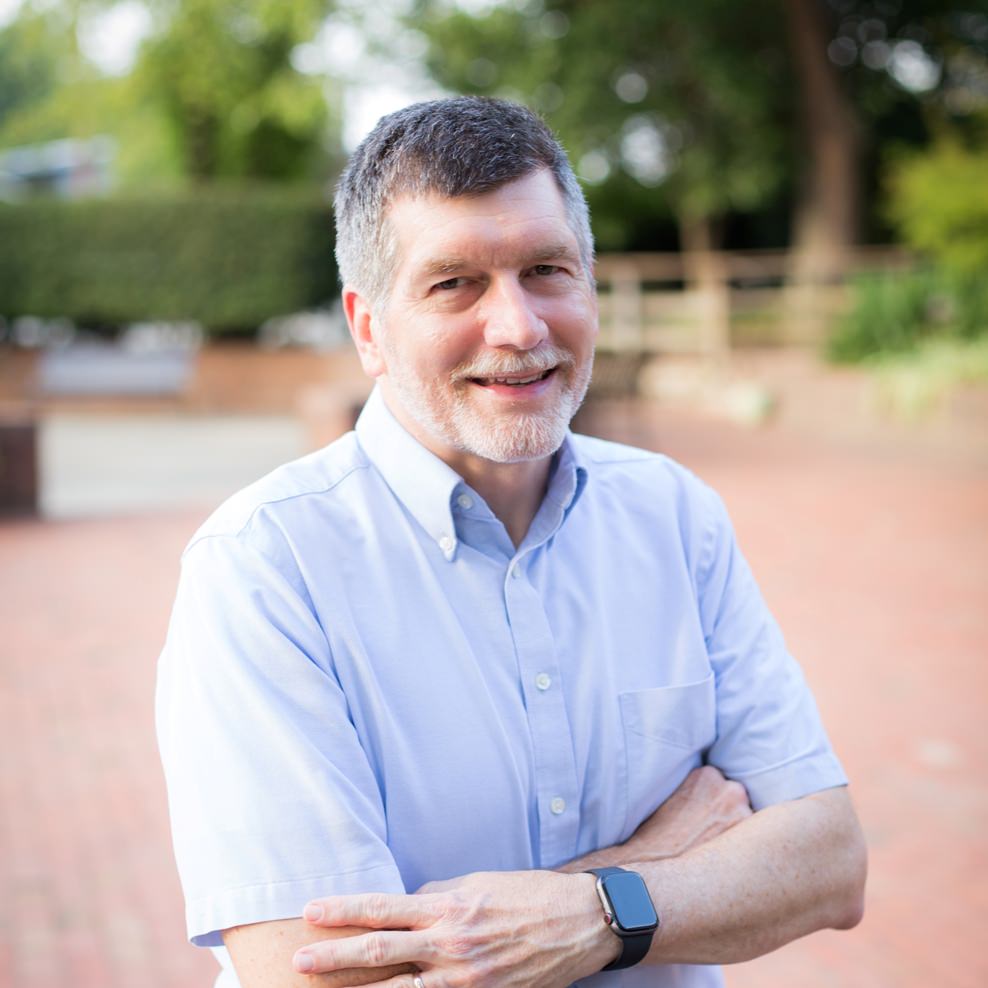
(363, 329)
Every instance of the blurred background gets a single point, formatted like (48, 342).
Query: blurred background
(790, 199)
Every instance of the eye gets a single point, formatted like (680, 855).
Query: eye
(542, 270)
(450, 284)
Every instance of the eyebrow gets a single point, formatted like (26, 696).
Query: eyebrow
(451, 264)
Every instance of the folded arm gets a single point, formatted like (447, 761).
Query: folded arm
(702, 807)
(789, 870)
(757, 883)
(743, 891)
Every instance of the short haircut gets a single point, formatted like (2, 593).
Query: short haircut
(462, 146)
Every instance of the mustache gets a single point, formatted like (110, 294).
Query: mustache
(543, 358)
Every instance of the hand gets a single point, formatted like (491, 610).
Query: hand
(703, 807)
(504, 929)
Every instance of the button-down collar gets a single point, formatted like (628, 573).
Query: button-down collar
(446, 507)
(419, 479)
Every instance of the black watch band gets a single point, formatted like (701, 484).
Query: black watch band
(633, 949)
(620, 913)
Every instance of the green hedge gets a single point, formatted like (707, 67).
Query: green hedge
(227, 258)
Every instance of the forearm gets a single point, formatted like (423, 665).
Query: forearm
(784, 872)
(262, 956)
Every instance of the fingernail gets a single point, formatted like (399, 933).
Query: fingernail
(303, 963)
(313, 912)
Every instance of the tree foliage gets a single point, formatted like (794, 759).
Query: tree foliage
(29, 56)
(938, 199)
(696, 104)
(214, 93)
(682, 96)
(222, 72)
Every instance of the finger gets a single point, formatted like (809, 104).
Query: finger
(738, 794)
(379, 949)
(374, 910)
(706, 777)
(402, 981)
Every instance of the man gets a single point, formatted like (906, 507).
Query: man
(418, 682)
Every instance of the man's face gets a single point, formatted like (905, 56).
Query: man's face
(485, 344)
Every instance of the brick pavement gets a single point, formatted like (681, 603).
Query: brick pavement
(874, 562)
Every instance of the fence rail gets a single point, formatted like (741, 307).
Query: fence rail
(652, 303)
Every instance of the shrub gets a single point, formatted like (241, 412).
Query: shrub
(888, 312)
(938, 200)
(892, 312)
(227, 258)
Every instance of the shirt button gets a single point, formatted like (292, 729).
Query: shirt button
(558, 805)
(543, 680)
(446, 543)
(515, 572)
(465, 501)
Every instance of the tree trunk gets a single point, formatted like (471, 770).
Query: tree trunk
(200, 135)
(826, 216)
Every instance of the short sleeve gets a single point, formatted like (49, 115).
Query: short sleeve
(271, 795)
(769, 733)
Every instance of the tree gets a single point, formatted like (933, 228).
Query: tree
(28, 64)
(682, 97)
(49, 91)
(214, 93)
(716, 108)
(222, 72)
(827, 204)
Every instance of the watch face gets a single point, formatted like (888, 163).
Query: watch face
(629, 898)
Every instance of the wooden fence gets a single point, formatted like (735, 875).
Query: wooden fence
(648, 306)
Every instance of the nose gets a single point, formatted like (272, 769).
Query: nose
(510, 319)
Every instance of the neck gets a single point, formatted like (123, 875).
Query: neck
(513, 491)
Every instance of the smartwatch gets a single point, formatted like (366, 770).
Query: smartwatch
(629, 912)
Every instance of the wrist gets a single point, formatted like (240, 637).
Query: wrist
(628, 912)
(603, 947)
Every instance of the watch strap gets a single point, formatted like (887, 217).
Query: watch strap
(634, 947)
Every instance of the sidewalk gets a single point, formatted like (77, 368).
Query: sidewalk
(874, 562)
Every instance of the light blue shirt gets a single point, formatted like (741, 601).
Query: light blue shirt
(366, 687)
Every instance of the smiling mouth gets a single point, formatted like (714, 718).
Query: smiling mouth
(513, 381)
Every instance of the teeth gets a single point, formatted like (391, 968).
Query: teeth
(516, 380)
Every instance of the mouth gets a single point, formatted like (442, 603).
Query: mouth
(513, 380)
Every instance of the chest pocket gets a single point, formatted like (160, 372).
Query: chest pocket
(666, 731)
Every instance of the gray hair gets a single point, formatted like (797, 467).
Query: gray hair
(463, 146)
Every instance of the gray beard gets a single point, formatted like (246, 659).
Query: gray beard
(444, 412)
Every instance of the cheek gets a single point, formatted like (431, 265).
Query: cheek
(575, 322)
(447, 343)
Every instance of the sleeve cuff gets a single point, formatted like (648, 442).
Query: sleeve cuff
(207, 917)
(792, 780)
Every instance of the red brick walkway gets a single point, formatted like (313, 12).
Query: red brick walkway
(874, 562)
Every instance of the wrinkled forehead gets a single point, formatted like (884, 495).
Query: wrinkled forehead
(537, 191)
(528, 212)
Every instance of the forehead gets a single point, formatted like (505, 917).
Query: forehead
(525, 215)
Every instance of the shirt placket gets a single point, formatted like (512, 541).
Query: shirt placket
(556, 785)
